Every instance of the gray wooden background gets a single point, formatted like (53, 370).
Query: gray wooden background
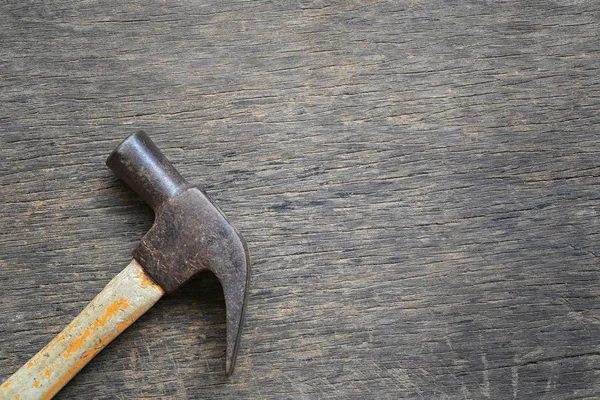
(418, 183)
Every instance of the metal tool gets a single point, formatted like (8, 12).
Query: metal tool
(190, 234)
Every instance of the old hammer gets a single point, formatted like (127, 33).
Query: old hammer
(190, 234)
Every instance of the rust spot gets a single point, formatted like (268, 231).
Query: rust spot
(5, 385)
(146, 281)
(123, 325)
(48, 372)
(75, 368)
(36, 384)
(111, 311)
(45, 351)
(51, 345)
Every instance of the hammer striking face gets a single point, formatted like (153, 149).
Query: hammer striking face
(190, 234)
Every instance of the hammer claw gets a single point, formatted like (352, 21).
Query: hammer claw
(235, 282)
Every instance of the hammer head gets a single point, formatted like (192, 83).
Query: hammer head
(190, 233)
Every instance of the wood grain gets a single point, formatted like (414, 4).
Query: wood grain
(418, 183)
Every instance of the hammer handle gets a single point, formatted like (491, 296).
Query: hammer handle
(129, 295)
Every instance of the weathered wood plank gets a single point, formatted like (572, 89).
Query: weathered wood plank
(417, 182)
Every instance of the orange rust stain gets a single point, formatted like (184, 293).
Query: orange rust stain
(36, 384)
(17, 397)
(5, 385)
(37, 358)
(51, 345)
(146, 281)
(123, 325)
(75, 368)
(45, 351)
(111, 311)
(48, 372)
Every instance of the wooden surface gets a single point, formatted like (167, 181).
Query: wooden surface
(418, 183)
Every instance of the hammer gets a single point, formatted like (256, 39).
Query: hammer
(190, 234)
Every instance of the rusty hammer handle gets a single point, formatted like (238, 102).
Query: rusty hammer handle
(129, 295)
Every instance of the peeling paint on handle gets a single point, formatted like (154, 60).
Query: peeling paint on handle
(129, 295)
